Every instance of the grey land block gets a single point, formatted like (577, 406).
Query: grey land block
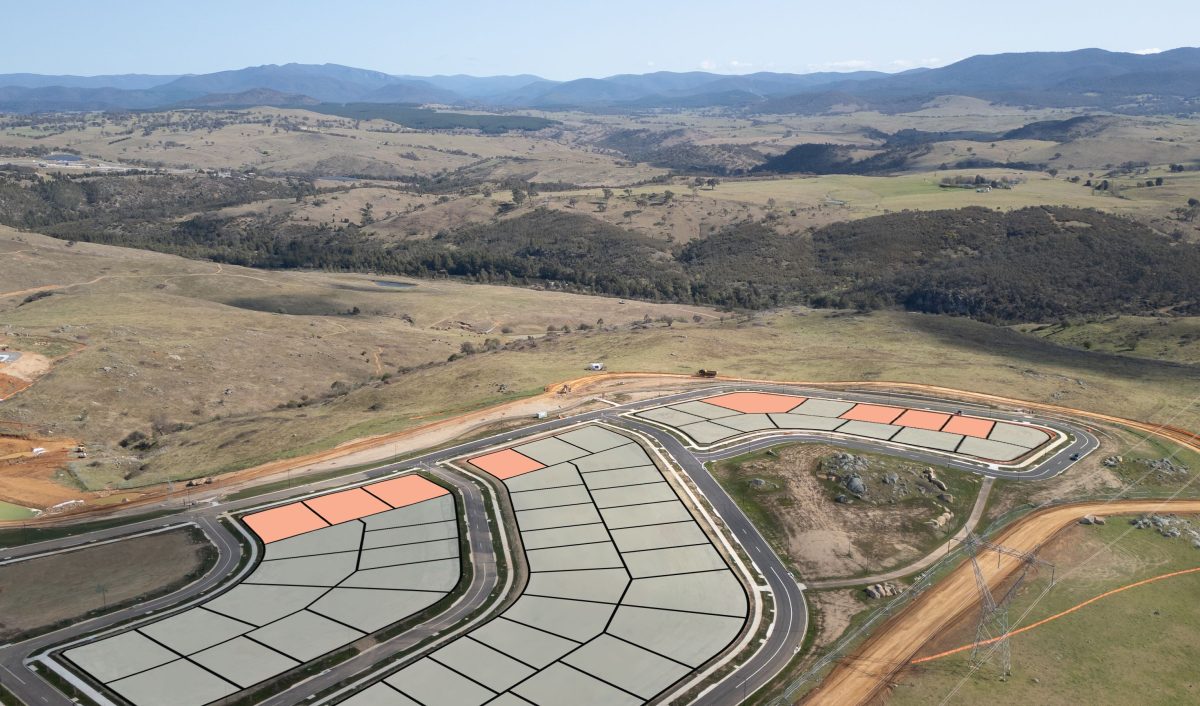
(492, 668)
(120, 655)
(178, 683)
(652, 514)
(244, 662)
(594, 438)
(634, 495)
(195, 629)
(687, 637)
(675, 560)
(433, 684)
(604, 585)
(305, 636)
(441, 575)
(562, 536)
(560, 684)
(551, 451)
(531, 646)
(627, 666)
(708, 432)
(1018, 435)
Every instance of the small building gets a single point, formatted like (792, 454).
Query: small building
(596, 366)
(540, 415)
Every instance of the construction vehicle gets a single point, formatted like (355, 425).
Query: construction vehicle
(702, 373)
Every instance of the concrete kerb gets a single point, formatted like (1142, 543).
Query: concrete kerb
(730, 654)
(46, 658)
(487, 614)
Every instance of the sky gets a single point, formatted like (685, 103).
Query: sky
(565, 40)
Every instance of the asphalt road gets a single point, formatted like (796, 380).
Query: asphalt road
(791, 617)
(30, 688)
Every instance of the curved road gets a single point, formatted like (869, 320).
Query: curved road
(791, 617)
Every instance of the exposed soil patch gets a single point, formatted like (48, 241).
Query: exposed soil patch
(836, 514)
(33, 480)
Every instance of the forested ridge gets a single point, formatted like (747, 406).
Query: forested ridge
(1032, 264)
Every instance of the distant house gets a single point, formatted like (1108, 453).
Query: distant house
(984, 190)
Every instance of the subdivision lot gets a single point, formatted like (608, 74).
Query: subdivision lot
(335, 568)
(626, 596)
(723, 417)
(42, 592)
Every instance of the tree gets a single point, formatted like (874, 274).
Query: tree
(1158, 181)
(518, 196)
(608, 193)
(712, 182)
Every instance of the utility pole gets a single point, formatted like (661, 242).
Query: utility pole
(991, 635)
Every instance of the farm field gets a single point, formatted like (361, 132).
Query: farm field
(48, 591)
(1060, 662)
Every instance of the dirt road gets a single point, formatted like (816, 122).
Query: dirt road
(377, 448)
(856, 679)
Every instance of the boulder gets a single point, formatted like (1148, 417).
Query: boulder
(946, 498)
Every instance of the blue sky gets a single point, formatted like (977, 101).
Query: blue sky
(563, 40)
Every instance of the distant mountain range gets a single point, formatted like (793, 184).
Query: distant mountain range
(1094, 78)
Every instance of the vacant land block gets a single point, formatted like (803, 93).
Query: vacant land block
(626, 594)
(39, 593)
(336, 567)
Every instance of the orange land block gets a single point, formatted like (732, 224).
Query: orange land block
(755, 402)
(970, 426)
(921, 419)
(506, 464)
(873, 413)
(346, 505)
(405, 490)
(283, 522)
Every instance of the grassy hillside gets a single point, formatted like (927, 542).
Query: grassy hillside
(194, 356)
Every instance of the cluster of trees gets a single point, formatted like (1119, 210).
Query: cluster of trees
(1025, 265)
(36, 202)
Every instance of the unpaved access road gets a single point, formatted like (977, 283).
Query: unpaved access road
(857, 678)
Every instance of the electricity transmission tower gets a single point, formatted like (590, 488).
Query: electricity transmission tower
(991, 636)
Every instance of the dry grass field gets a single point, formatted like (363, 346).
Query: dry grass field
(1133, 647)
(40, 593)
(198, 358)
(214, 368)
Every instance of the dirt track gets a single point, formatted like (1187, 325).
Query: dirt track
(856, 679)
(377, 448)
